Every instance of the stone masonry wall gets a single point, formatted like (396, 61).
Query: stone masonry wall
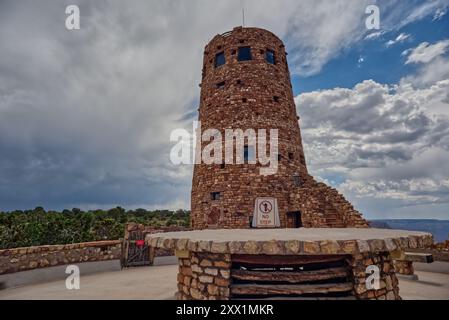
(389, 289)
(22, 259)
(204, 276)
(404, 267)
(257, 95)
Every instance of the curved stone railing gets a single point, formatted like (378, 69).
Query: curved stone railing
(29, 258)
(292, 241)
(22, 259)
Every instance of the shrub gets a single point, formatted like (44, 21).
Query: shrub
(39, 227)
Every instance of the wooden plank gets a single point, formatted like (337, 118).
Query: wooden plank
(287, 276)
(285, 289)
(264, 260)
(283, 298)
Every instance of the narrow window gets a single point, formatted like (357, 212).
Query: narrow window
(276, 99)
(215, 196)
(220, 59)
(221, 85)
(244, 100)
(249, 154)
(244, 54)
(290, 156)
(222, 166)
(270, 57)
(296, 181)
(279, 158)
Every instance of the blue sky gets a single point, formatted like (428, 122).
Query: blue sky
(381, 63)
(86, 116)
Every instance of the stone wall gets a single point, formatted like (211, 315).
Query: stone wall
(257, 95)
(207, 276)
(22, 259)
(389, 289)
(404, 267)
(204, 276)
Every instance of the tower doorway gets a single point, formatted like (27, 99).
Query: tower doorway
(297, 219)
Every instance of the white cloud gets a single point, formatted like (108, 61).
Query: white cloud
(426, 52)
(360, 61)
(400, 38)
(374, 35)
(439, 14)
(389, 143)
(422, 10)
(430, 73)
(432, 61)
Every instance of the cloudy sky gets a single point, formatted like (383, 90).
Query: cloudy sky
(86, 115)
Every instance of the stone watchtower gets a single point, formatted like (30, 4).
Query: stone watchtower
(246, 85)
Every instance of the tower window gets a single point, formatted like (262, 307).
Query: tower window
(279, 158)
(244, 100)
(220, 59)
(249, 154)
(297, 181)
(215, 196)
(244, 54)
(290, 156)
(246, 154)
(276, 99)
(270, 57)
(221, 85)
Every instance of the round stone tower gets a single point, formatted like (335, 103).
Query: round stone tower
(246, 85)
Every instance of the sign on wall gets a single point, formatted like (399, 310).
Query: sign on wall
(266, 214)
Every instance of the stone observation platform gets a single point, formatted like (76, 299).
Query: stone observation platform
(301, 263)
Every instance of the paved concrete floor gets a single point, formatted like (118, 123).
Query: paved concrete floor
(430, 286)
(51, 274)
(159, 282)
